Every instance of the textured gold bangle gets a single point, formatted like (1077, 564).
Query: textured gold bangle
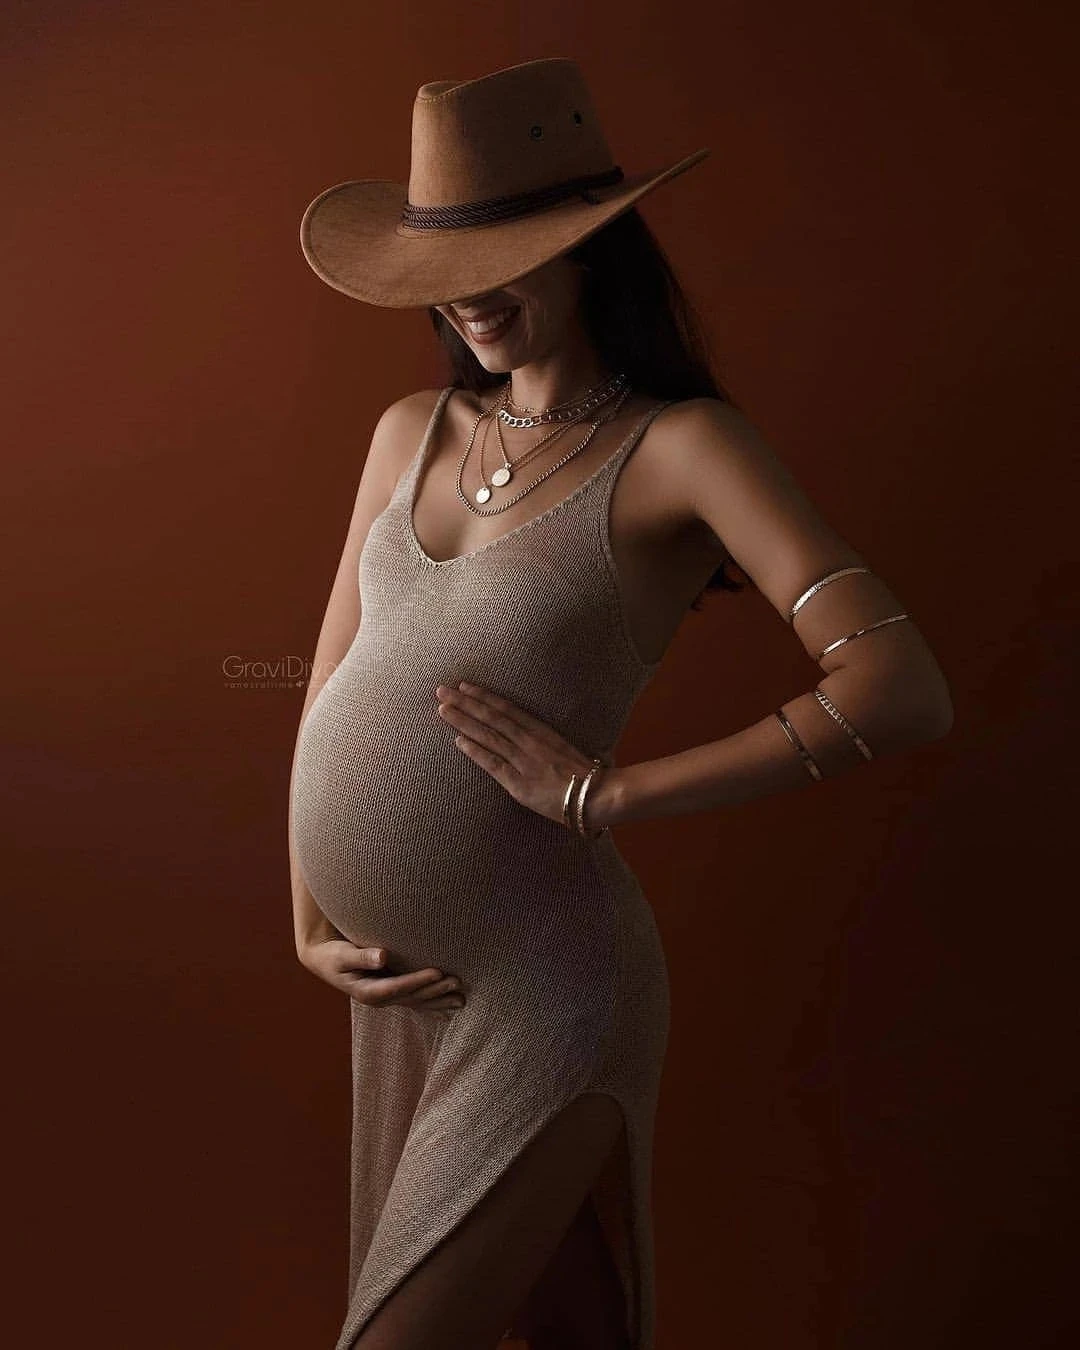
(893, 618)
(813, 590)
(596, 764)
(838, 716)
(567, 799)
(794, 738)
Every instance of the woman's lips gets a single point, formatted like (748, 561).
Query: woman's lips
(493, 334)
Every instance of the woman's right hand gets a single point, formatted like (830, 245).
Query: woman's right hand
(359, 972)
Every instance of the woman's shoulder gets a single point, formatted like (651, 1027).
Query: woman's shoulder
(692, 449)
(399, 429)
(400, 421)
(703, 426)
(410, 406)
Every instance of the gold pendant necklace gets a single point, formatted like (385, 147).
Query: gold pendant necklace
(503, 475)
(625, 394)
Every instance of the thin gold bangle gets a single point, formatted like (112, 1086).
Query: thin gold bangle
(813, 590)
(893, 618)
(796, 741)
(585, 782)
(566, 800)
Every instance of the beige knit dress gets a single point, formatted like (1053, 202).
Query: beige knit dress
(407, 843)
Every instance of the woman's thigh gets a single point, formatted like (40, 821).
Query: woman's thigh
(578, 1302)
(468, 1290)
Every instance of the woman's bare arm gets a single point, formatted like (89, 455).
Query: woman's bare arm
(886, 683)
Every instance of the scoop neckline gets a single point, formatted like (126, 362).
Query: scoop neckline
(410, 498)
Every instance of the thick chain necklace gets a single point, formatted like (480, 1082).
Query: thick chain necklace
(572, 411)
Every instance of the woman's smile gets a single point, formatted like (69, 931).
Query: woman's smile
(492, 327)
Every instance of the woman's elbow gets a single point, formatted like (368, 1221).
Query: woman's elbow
(915, 703)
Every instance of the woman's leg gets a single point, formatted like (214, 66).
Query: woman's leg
(467, 1291)
(578, 1302)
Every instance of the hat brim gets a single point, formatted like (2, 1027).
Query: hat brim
(352, 237)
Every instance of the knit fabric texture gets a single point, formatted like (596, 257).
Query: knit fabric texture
(407, 843)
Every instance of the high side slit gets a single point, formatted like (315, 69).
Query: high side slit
(407, 843)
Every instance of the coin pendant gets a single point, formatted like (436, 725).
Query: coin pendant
(482, 494)
(501, 477)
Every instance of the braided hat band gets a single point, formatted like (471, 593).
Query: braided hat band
(514, 204)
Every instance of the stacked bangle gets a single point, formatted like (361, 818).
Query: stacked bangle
(834, 712)
(793, 736)
(567, 798)
(577, 808)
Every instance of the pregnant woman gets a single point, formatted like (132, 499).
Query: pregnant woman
(497, 610)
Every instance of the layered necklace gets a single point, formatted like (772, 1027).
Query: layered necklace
(614, 391)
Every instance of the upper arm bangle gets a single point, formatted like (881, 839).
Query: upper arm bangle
(859, 632)
(813, 590)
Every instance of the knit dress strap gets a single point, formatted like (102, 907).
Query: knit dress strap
(613, 466)
(408, 479)
(610, 474)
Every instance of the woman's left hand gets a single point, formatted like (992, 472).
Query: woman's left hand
(529, 758)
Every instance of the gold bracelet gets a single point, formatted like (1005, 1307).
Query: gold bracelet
(566, 800)
(838, 716)
(596, 764)
(793, 737)
(893, 618)
(813, 590)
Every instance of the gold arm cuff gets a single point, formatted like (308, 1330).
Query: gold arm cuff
(793, 736)
(813, 590)
(893, 618)
(838, 716)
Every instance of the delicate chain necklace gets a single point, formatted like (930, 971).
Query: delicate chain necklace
(484, 492)
(566, 414)
(503, 475)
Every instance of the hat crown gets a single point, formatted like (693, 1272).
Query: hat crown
(518, 130)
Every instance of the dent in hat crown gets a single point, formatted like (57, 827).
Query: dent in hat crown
(526, 127)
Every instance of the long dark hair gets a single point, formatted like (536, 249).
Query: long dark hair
(639, 320)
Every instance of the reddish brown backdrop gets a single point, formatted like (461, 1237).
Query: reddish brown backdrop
(862, 1138)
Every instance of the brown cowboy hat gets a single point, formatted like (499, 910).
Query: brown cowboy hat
(507, 172)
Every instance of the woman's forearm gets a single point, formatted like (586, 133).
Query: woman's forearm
(891, 710)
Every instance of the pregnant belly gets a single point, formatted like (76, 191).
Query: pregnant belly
(406, 842)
